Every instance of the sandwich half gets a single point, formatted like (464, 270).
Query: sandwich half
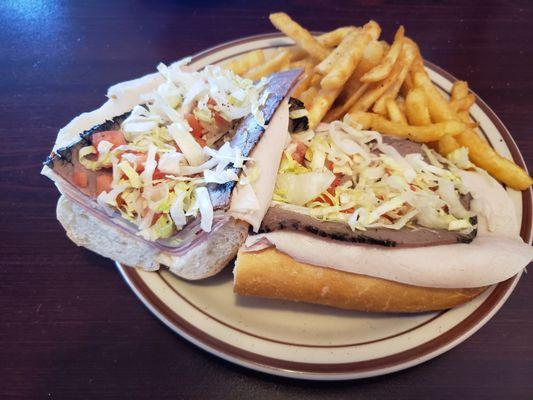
(368, 222)
(147, 179)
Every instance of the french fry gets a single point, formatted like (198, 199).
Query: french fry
(447, 144)
(416, 108)
(308, 96)
(394, 112)
(370, 31)
(439, 108)
(484, 156)
(320, 105)
(333, 38)
(420, 134)
(301, 36)
(338, 112)
(462, 104)
(381, 71)
(350, 52)
(408, 84)
(246, 61)
(328, 39)
(407, 55)
(371, 57)
(276, 63)
(376, 89)
(307, 64)
(418, 63)
(459, 90)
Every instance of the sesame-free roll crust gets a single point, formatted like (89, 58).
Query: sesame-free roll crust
(273, 274)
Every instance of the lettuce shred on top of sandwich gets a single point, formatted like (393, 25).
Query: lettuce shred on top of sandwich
(343, 174)
(165, 152)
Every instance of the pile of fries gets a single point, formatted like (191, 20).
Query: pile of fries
(350, 72)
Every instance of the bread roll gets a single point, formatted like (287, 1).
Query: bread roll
(204, 260)
(271, 273)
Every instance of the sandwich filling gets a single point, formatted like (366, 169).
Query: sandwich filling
(175, 158)
(356, 185)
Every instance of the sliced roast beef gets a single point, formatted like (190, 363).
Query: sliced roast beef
(278, 218)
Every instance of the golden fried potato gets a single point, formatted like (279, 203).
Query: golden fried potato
(320, 105)
(459, 90)
(244, 62)
(407, 56)
(372, 55)
(416, 108)
(276, 63)
(381, 71)
(463, 104)
(421, 134)
(394, 112)
(340, 111)
(439, 108)
(501, 168)
(350, 52)
(376, 89)
(328, 39)
(301, 36)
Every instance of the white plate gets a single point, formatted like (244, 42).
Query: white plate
(314, 342)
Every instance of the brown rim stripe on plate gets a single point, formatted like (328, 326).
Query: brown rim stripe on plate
(185, 299)
(425, 349)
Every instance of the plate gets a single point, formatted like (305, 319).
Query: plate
(315, 342)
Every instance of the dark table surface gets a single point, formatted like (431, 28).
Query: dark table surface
(69, 325)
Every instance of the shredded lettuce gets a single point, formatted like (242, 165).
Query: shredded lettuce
(350, 175)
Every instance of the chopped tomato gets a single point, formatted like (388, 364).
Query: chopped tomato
(103, 182)
(197, 129)
(158, 174)
(298, 154)
(201, 141)
(336, 182)
(324, 199)
(81, 179)
(219, 120)
(120, 200)
(348, 211)
(329, 165)
(156, 217)
(116, 138)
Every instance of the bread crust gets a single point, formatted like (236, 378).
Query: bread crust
(273, 274)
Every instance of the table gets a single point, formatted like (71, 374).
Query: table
(70, 327)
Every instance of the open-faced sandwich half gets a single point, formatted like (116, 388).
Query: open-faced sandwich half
(370, 222)
(148, 178)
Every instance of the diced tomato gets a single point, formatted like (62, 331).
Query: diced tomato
(324, 199)
(120, 200)
(348, 211)
(197, 129)
(116, 138)
(201, 141)
(81, 178)
(156, 217)
(336, 182)
(298, 154)
(218, 119)
(158, 174)
(103, 182)
(329, 165)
